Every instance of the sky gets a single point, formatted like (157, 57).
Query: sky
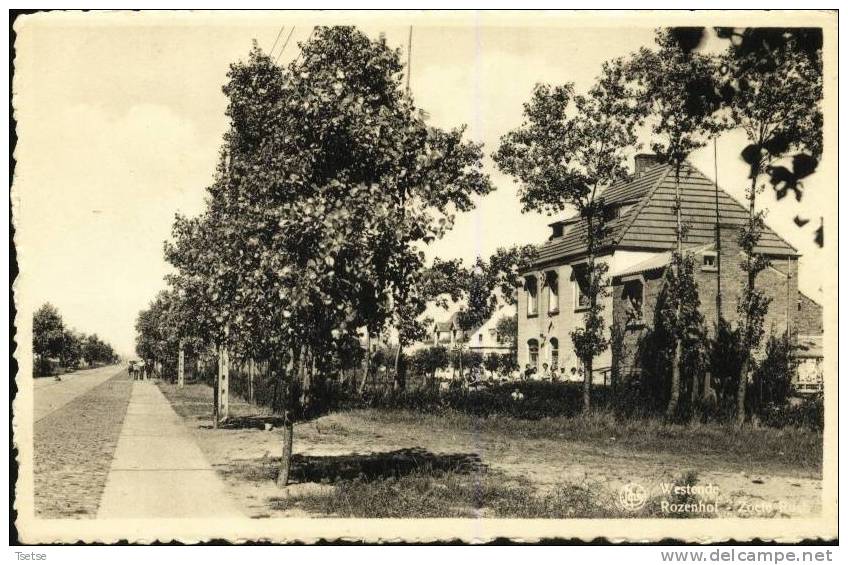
(121, 116)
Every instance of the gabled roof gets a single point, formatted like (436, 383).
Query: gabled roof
(649, 222)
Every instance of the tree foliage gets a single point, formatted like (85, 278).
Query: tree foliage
(568, 146)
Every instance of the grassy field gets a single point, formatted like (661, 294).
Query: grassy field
(391, 463)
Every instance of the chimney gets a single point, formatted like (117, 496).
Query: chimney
(645, 161)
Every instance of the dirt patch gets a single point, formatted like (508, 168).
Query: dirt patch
(73, 450)
(348, 446)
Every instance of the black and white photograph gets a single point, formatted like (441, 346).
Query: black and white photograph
(422, 276)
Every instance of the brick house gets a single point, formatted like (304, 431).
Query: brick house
(637, 249)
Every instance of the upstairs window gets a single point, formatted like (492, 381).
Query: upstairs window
(710, 262)
(552, 280)
(532, 296)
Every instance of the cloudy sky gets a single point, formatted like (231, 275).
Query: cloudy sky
(120, 119)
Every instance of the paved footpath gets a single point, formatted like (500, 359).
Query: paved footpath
(158, 470)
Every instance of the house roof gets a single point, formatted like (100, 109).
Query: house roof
(648, 221)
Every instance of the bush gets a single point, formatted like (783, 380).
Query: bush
(772, 379)
(534, 401)
(808, 414)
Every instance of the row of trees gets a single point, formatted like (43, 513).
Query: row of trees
(53, 343)
(330, 184)
(767, 83)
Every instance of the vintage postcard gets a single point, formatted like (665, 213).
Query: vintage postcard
(417, 276)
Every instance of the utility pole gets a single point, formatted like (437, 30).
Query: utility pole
(717, 235)
(408, 60)
(181, 366)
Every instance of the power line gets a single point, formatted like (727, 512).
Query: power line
(279, 33)
(283, 48)
(311, 33)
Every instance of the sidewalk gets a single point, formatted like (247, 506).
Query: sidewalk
(158, 470)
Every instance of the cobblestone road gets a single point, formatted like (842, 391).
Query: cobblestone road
(74, 447)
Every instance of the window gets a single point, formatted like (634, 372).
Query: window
(557, 230)
(533, 352)
(552, 280)
(632, 297)
(479, 338)
(554, 354)
(581, 288)
(710, 261)
(532, 296)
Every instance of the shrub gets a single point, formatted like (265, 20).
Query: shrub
(772, 378)
(808, 414)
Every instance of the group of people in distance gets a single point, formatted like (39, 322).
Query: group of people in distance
(476, 377)
(137, 370)
(551, 374)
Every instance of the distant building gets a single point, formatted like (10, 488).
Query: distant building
(486, 338)
(637, 249)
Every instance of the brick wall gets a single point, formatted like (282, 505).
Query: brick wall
(809, 312)
(788, 309)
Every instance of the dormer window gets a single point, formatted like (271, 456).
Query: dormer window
(557, 230)
(710, 261)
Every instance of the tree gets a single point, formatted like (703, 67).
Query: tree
(47, 336)
(330, 182)
(676, 87)
(775, 100)
(567, 148)
(678, 312)
(71, 352)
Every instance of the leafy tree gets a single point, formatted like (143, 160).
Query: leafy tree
(759, 63)
(775, 100)
(47, 335)
(568, 147)
(71, 352)
(680, 315)
(330, 182)
(676, 88)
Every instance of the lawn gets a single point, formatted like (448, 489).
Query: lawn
(399, 463)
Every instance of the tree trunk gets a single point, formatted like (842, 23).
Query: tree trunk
(587, 385)
(741, 390)
(215, 393)
(285, 459)
(251, 373)
(671, 409)
(746, 361)
(400, 380)
(366, 361)
(673, 399)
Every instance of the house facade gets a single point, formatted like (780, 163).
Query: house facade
(641, 227)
